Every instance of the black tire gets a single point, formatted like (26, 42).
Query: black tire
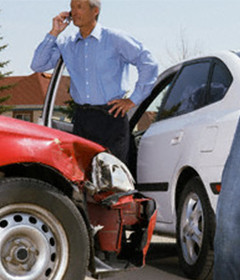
(195, 231)
(42, 234)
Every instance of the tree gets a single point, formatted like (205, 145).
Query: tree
(4, 108)
(182, 50)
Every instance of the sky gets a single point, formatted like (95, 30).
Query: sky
(205, 26)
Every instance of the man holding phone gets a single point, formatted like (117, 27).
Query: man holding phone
(97, 59)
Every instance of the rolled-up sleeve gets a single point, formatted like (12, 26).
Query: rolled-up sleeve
(135, 53)
(46, 55)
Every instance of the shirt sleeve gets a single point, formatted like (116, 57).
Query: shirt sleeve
(46, 55)
(135, 53)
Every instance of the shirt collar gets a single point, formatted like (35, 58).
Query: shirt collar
(96, 33)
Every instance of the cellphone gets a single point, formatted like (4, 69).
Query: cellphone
(69, 18)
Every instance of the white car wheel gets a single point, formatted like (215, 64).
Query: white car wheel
(195, 231)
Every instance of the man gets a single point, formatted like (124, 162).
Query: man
(97, 59)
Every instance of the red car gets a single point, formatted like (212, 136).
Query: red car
(66, 205)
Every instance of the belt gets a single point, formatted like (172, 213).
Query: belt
(104, 108)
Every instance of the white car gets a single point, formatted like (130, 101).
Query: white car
(181, 137)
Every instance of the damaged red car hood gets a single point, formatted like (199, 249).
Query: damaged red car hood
(22, 142)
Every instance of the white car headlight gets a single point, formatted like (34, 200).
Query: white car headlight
(108, 172)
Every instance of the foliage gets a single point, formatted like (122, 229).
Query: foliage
(4, 108)
(69, 109)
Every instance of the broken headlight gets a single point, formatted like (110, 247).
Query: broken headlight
(109, 173)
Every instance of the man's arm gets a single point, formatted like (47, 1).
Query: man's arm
(134, 53)
(47, 53)
(147, 68)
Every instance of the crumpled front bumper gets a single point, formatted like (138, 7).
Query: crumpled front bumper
(123, 225)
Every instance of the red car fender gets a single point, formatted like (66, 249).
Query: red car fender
(24, 142)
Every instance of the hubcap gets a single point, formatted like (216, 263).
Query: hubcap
(192, 228)
(33, 245)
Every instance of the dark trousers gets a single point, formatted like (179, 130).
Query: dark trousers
(96, 124)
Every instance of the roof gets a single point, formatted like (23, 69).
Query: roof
(27, 90)
(31, 90)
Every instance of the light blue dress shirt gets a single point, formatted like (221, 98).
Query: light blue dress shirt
(98, 65)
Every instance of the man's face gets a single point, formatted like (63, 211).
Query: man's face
(83, 14)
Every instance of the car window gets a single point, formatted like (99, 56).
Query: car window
(188, 92)
(151, 113)
(220, 82)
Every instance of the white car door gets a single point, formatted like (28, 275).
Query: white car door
(161, 146)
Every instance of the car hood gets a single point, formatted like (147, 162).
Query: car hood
(22, 141)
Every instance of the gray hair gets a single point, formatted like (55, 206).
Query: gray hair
(95, 3)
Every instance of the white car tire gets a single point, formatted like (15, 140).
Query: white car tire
(195, 231)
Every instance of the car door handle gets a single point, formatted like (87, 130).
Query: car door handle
(177, 138)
